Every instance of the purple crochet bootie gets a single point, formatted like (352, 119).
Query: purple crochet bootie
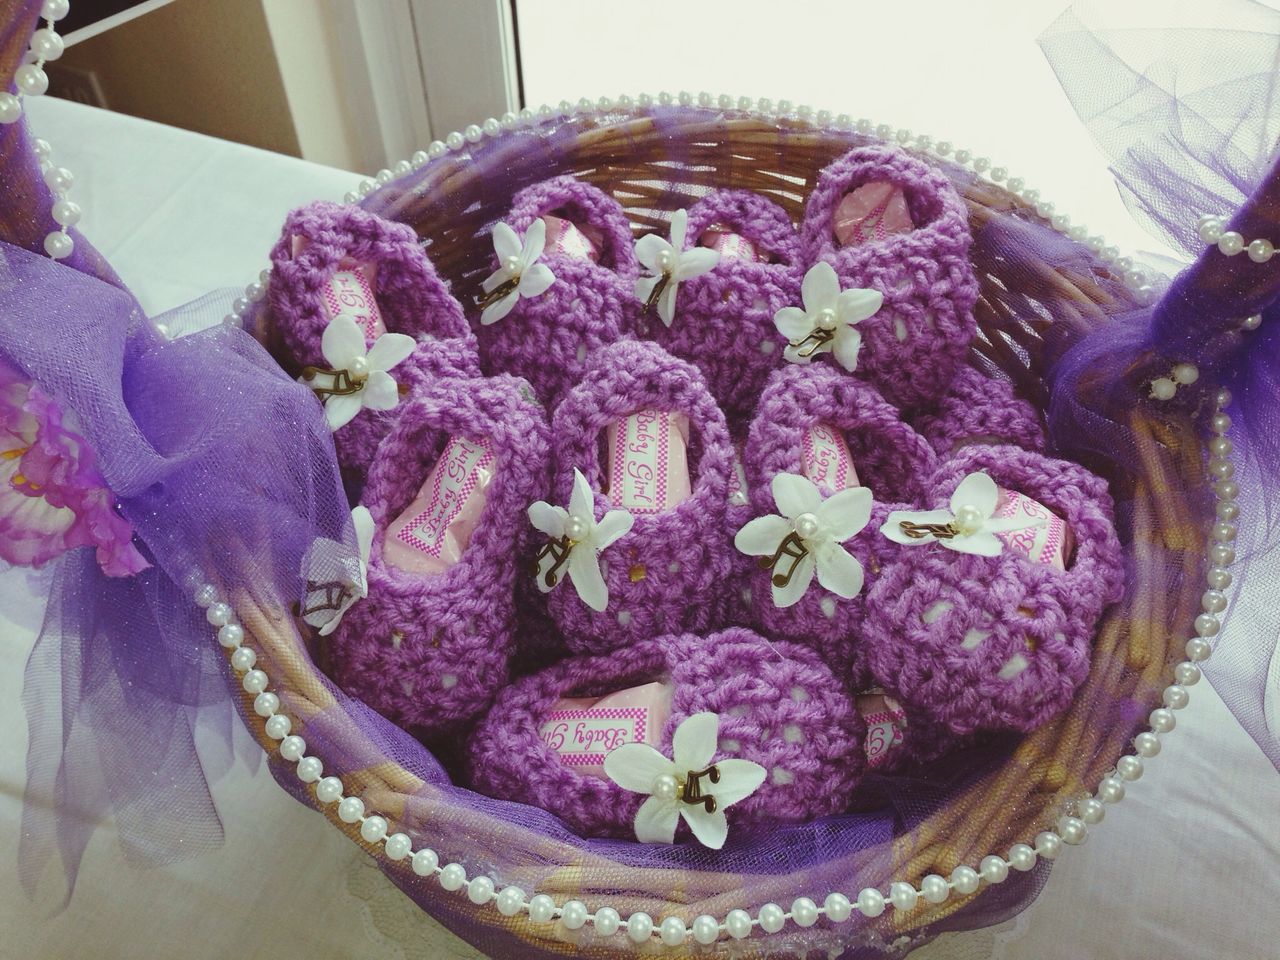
(428, 647)
(548, 336)
(778, 706)
(980, 409)
(993, 633)
(724, 319)
(909, 240)
(339, 260)
(839, 433)
(647, 438)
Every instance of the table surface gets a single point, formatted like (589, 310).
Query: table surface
(179, 214)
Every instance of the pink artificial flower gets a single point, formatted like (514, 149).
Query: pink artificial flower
(52, 497)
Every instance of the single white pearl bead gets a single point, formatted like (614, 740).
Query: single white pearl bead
(453, 876)
(238, 306)
(1022, 857)
(384, 176)
(1016, 184)
(772, 918)
(903, 896)
(1094, 244)
(998, 173)
(1213, 601)
(419, 159)
(491, 127)
(738, 923)
(1252, 322)
(665, 98)
(1260, 250)
(436, 149)
(1145, 294)
(351, 809)
(329, 789)
(993, 869)
(576, 528)
(883, 131)
(964, 879)
(863, 125)
(1129, 768)
(1091, 810)
(541, 908)
(807, 526)
(31, 80)
(54, 9)
(293, 748)
(1048, 844)
(1211, 230)
(1208, 625)
(639, 926)
(573, 914)
(706, 930)
(46, 44)
(804, 912)
(744, 103)
(266, 704)
(963, 155)
(10, 107)
(1198, 649)
(943, 148)
(509, 901)
(826, 319)
(1187, 674)
(455, 141)
(1186, 373)
(511, 265)
(1072, 830)
(278, 726)
(1224, 397)
(1176, 697)
(672, 931)
(66, 212)
(1061, 222)
(1220, 422)
(870, 902)
(255, 681)
(969, 519)
(401, 168)
(934, 888)
(219, 614)
(310, 769)
(398, 846)
(1162, 720)
(838, 907)
(764, 105)
(1221, 447)
(1162, 388)
(1222, 532)
(366, 187)
(665, 787)
(473, 133)
(374, 828)
(58, 245)
(254, 291)
(243, 659)
(1230, 243)
(666, 261)
(480, 891)
(424, 861)
(358, 368)
(231, 635)
(607, 920)
(1147, 744)
(1226, 489)
(1111, 789)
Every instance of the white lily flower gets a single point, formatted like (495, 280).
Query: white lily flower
(519, 274)
(969, 526)
(689, 786)
(669, 263)
(808, 533)
(335, 579)
(577, 539)
(356, 378)
(828, 322)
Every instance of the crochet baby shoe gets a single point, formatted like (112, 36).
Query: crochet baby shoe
(723, 319)
(624, 431)
(980, 409)
(778, 706)
(576, 241)
(429, 646)
(906, 235)
(335, 261)
(980, 622)
(831, 434)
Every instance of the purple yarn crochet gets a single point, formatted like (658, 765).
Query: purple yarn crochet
(665, 574)
(724, 319)
(969, 643)
(549, 339)
(912, 347)
(411, 296)
(430, 652)
(980, 409)
(778, 705)
(891, 459)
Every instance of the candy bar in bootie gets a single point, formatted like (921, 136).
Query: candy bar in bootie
(359, 312)
(983, 620)
(723, 319)
(713, 731)
(980, 409)
(634, 541)
(889, 222)
(562, 289)
(429, 646)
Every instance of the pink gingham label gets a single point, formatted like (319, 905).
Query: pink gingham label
(870, 213)
(454, 479)
(566, 237)
(730, 245)
(583, 738)
(350, 291)
(1046, 543)
(737, 481)
(886, 726)
(648, 470)
(827, 461)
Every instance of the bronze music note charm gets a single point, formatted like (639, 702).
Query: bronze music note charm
(342, 385)
(692, 792)
(656, 294)
(918, 531)
(794, 549)
(333, 593)
(818, 339)
(558, 551)
(498, 292)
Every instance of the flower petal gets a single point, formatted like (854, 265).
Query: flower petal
(389, 349)
(679, 227)
(976, 490)
(335, 617)
(792, 353)
(820, 287)
(667, 302)
(548, 519)
(845, 346)
(380, 391)
(648, 248)
(838, 570)
(495, 280)
(614, 524)
(499, 309)
(709, 829)
(892, 529)
(738, 780)
(760, 537)
(535, 240)
(584, 571)
(362, 523)
(801, 577)
(694, 742)
(644, 288)
(338, 411)
(795, 495)
(342, 342)
(858, 304)
(582, 502)
(695, 262)
(656, 821)
(536, 280)
(846, 512)
(793, 323)
(506, 242)
(983, 544)
(634, 766)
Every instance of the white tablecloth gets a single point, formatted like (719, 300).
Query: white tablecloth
(1184, 868)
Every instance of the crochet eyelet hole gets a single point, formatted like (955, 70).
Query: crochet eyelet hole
(624, 618)
(782, 777)
(1013, 666)
(767, 347)
(759, 304)
(799, 694)
(828, 605)
(448, 681)
(673, 567)
(582, 352)
(741, 710)
(936, 611)
(973, 638)
(396, 639)
(900, 329)
(728, 745)
(792, 734)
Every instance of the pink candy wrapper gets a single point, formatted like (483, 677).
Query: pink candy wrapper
(584, 730)
(648, 461)
(738, 480)
(886, 725)
(730, 245)
(432, 533)
(1051, 542)
(572, 240)
(872, 212)
(350, 291)
(826, 459)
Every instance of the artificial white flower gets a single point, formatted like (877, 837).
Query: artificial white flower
(576, 541)
(669, 263)
(807, 537)
(519, 274)
(968, 526)
(356, 378)
(335, 579)
(690, 786)
(828, 322)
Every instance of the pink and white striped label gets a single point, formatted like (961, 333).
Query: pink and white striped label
(886, 725)
(648, 461)
(730, 245)
(737, 480)
(350, 291)
(872, 212)
(1048, 543)
(583, 731)
(566, 237)
(826, 459)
